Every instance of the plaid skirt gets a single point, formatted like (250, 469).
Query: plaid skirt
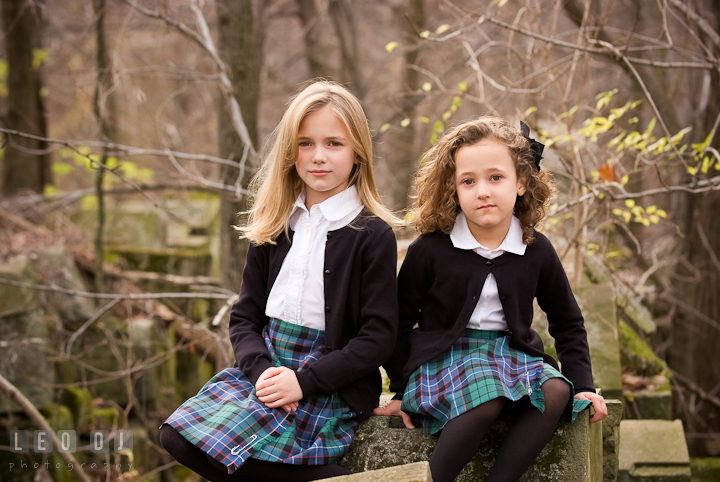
(480, 366)
(227, 421)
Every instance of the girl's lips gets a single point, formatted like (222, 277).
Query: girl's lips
(487, 206)
(319, 173)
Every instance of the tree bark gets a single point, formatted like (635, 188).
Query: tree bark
(240, 43)
(405, 158)
(343, 17)
(316, 54)
(23, 168)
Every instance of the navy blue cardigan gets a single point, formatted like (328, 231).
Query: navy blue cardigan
(439, 286)
(360, 312)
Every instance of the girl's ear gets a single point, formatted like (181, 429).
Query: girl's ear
(521, 186)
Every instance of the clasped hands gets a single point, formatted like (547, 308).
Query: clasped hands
(278, 387)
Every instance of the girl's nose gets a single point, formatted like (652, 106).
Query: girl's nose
(318, 155)
(481, 191)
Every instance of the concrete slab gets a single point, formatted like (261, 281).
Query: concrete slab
(653, 450)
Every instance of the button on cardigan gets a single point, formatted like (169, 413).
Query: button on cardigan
(438, 286)
(360, 311)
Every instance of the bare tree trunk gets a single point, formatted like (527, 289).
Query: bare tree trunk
(103, 107)
(316, 54)
(24, 169)
(405, 158)
(343, 18)
(240, 45)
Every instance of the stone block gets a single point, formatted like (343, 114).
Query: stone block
(636, 355)
(56, 266)
(15, 300)
(611, 440)
(573, 454)
(24, 348)
(648, 404)
(79, 402)
(653, 451)
(416, 472)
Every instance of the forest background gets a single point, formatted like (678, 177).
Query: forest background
(106, 101)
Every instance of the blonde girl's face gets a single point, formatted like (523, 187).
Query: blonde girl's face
(487, 188)
(325, 155)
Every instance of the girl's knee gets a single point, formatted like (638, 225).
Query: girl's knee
(172, 441)
(556, 391)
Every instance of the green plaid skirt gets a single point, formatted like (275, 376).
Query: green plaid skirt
(480, 366)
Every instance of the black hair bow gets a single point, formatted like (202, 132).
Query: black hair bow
(536, 146)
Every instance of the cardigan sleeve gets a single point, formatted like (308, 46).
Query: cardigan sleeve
(566, 323)
(247, 317)
(412, 287)
(377, 322)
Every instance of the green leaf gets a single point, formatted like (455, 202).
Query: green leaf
(462, 86)
(61, 168)
(446, 115)
(438, 127)
(457, 101)
(89, 203)
(568, 113)
(384, 127)
(40, 56)
(390, 46)
(529, 111)
(424, 120)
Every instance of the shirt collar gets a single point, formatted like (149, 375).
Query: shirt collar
(462, 238)
(335, 207)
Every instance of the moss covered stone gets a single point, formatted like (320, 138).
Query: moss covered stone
(705, 469)
(80, 403)
(635, 355)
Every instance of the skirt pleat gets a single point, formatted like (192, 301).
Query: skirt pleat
(480, 366)
(227, 421)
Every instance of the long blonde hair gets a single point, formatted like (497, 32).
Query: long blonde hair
(437, 202)
(278, 184)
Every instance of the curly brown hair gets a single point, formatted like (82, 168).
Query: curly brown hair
(437, 204)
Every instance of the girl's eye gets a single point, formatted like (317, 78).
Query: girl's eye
(466, 181)
(335, 144)
(495, 177)
(304, 143)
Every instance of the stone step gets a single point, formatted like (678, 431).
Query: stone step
(417, 472)
(653, 451)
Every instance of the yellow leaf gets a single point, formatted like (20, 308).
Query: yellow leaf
(424, 120)
(654, 218)
(427, 87)
(529, 111)
(89, 203)
(442, 28)
(651, 209)
(692, 170)
(462, 86)
(601, 196)
(624, 180)
(629, 203)
(390, 46)
(626, 216)
(661, 213)
(645, 222)
(405, 122)
(446, 115)
(425, 33)
(617, 212)
(384, 127)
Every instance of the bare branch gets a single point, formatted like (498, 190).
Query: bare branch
(110, 296)
(40, 422)
(701, 22)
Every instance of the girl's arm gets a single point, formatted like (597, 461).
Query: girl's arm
(412, 281)
(565, 322)
(377, 323)
(247, 317)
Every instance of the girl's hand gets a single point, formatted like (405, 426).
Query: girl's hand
(393, 408)
(598, 403)
(278, 387)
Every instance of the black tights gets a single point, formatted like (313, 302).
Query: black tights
(252, 470)
(461, 437)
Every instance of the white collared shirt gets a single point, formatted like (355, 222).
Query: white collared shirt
(298, 294)
(488, 313)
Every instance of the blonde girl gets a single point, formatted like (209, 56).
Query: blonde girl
(468, 284)
(317, 313)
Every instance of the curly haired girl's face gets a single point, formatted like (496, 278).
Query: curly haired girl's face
(325, 155)
(487, 187)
